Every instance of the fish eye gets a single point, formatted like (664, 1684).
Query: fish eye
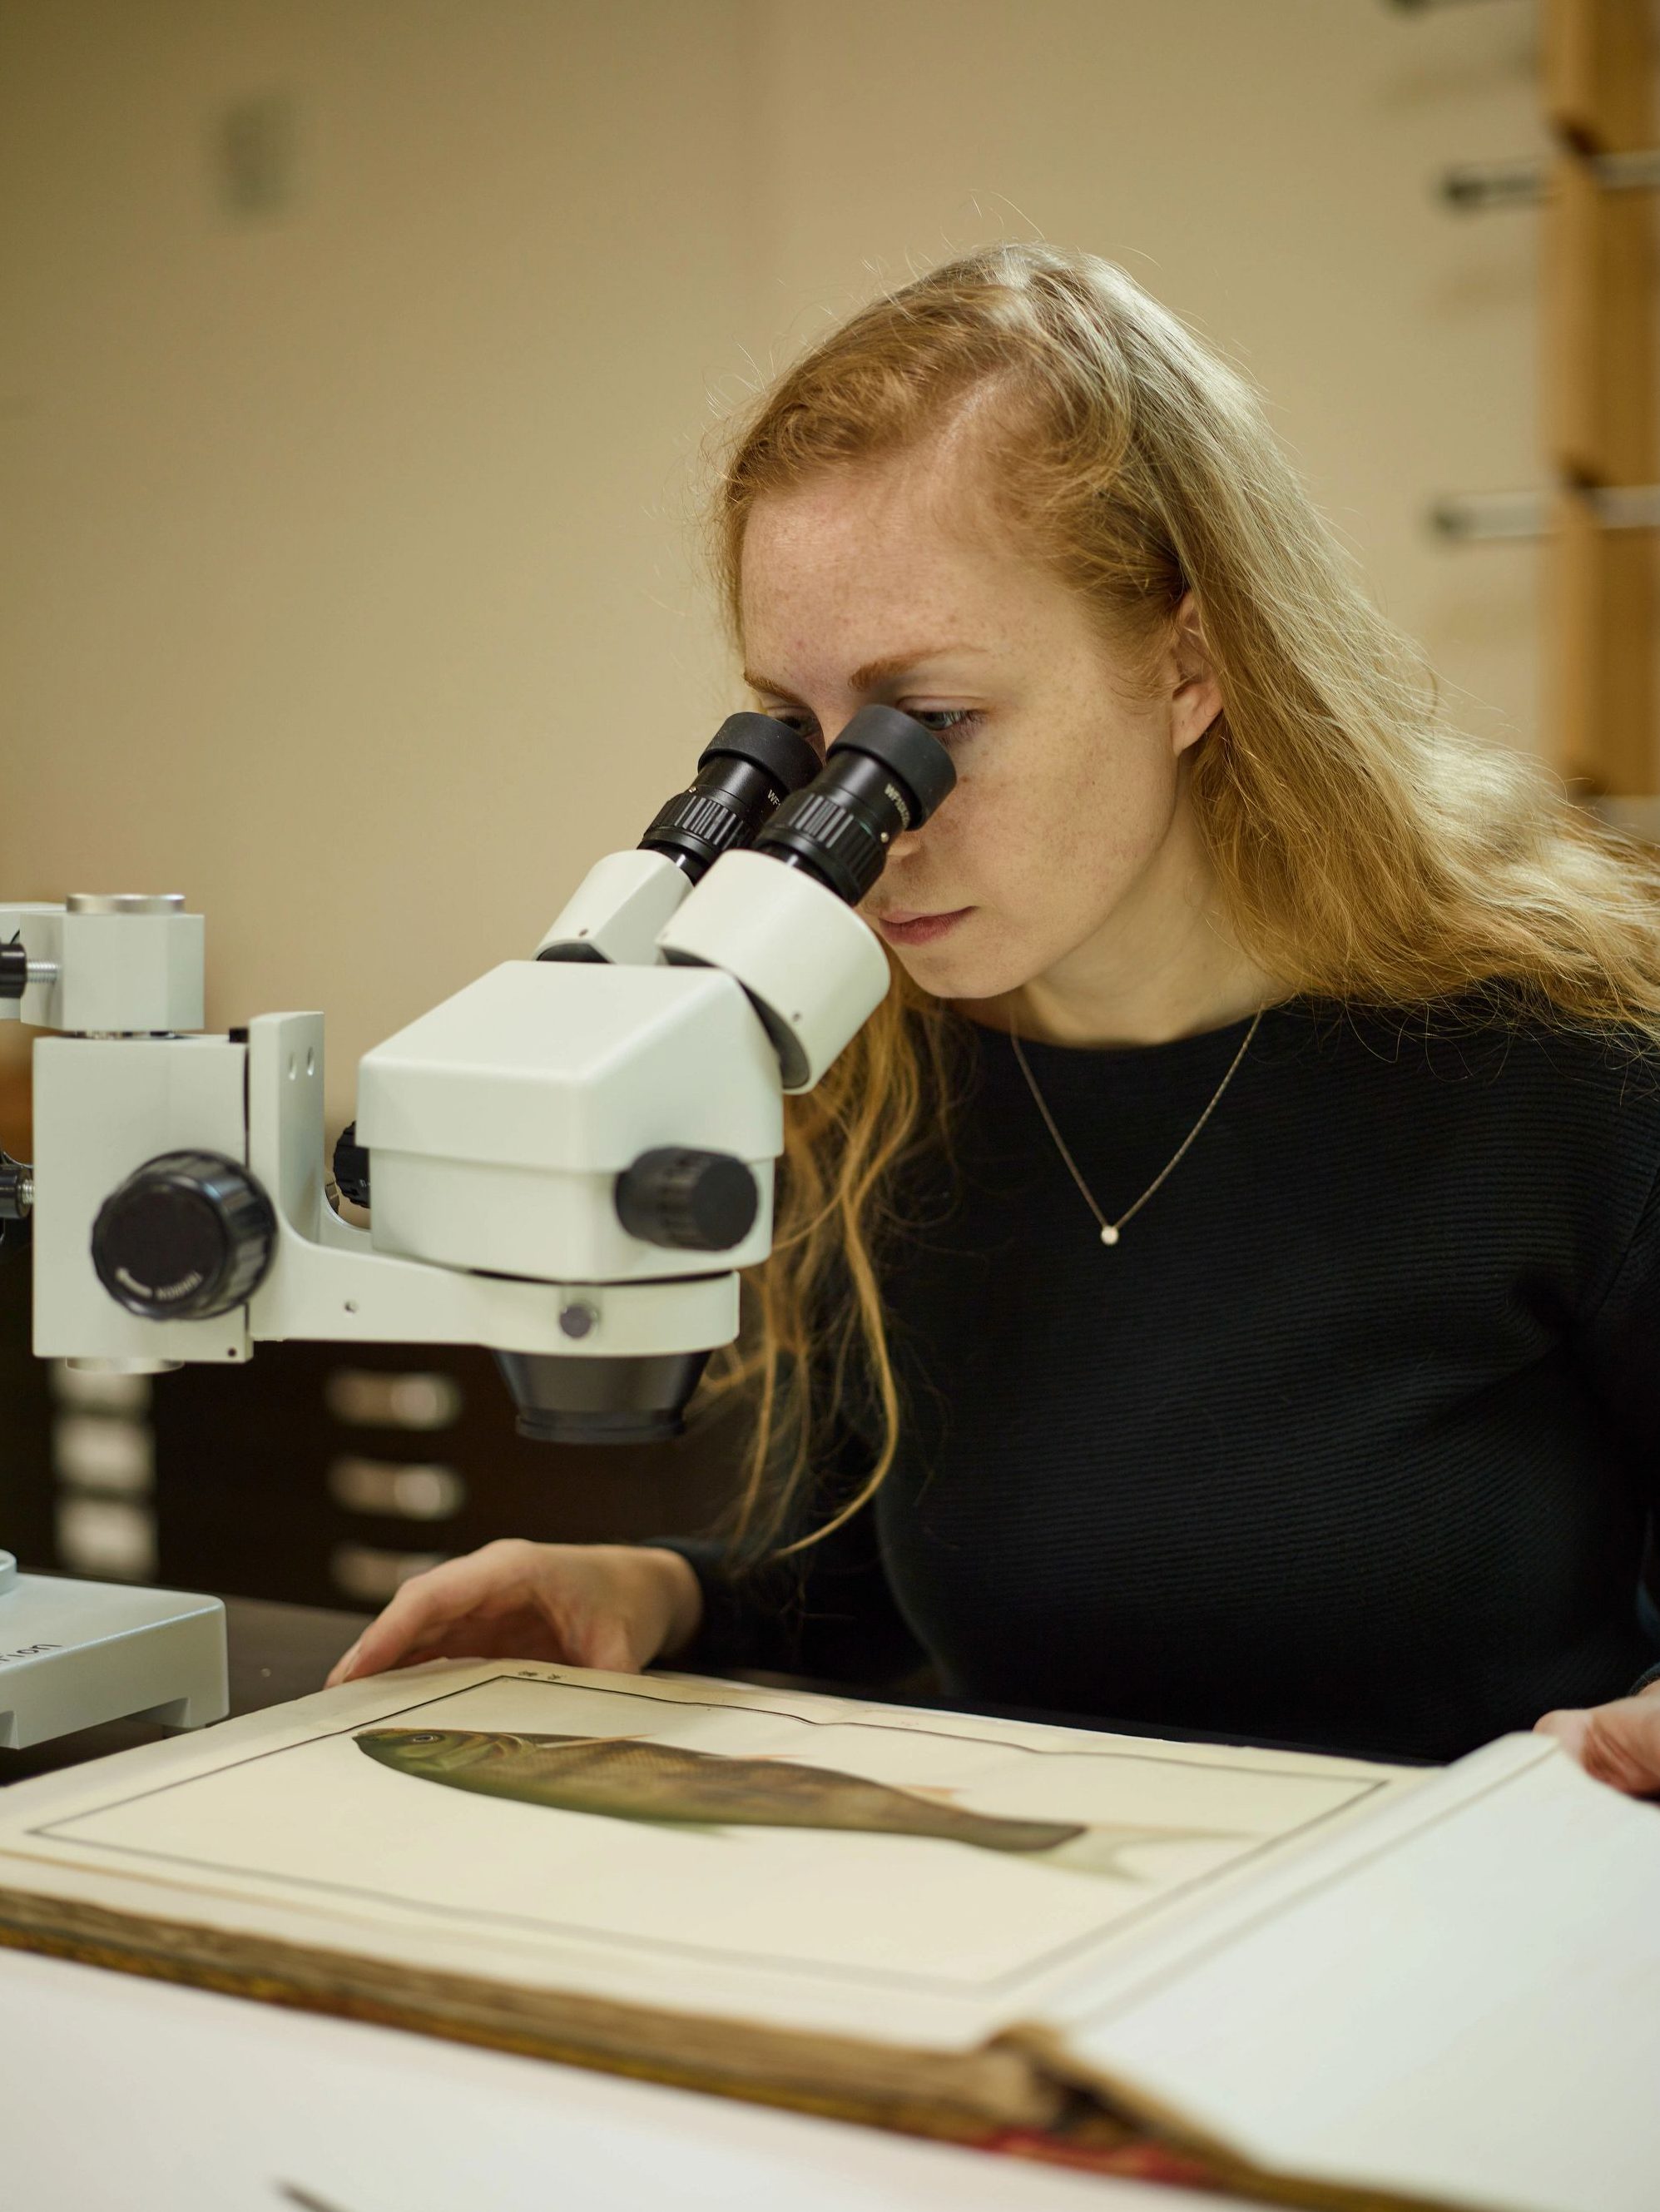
(413, 1738)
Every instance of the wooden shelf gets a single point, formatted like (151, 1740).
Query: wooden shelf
(1598, 391)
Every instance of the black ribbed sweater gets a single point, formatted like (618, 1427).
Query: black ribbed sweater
(1352, 1439)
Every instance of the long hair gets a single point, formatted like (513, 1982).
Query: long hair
(1364, 850)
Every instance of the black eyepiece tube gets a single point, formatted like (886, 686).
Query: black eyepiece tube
(883, 775)
(749, 765)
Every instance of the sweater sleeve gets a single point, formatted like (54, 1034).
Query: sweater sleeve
(1619, 1357)
(826, 1611)
(1619, 1349)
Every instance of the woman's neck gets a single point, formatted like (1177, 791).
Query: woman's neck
(1152, 1016)
(1165, 965)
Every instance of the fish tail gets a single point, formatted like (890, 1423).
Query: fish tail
(989, 1832)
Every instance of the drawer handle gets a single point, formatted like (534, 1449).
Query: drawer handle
(379, 1398)
(413, 1493)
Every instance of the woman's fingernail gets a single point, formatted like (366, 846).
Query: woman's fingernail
(343, 1667)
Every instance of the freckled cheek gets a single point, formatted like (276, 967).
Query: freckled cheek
(1114, 809)
(1041, 856)
(951, 848)
(998, 839)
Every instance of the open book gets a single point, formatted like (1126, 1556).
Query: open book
(1313, 1979)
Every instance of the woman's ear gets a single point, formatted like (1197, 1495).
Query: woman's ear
(1195, 692)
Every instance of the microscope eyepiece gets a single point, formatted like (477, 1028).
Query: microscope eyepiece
(883, 775)
(749, 765)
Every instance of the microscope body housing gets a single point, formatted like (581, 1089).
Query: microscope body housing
(570, 1161)
(498, 1124)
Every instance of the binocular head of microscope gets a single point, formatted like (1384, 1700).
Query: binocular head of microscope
(570, 1161)
(781, 972)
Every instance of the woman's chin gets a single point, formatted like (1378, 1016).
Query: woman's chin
(956, 968)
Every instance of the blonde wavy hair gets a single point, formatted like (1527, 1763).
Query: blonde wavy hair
(1364, 850)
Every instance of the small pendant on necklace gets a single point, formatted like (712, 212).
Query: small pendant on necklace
(1109, 1234)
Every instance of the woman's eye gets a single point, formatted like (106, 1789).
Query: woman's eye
(945, 721)
(804, 723)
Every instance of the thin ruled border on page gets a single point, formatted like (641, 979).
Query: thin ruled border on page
(1007, 1984)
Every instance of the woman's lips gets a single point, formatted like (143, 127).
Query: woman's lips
(917, 928)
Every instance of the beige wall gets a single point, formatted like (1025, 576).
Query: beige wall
(345, 581)
(341, 589)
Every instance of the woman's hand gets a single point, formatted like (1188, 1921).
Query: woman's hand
(611, 1606)
(1618, 1743)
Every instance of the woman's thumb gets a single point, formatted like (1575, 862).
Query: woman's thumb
(1617, 1743)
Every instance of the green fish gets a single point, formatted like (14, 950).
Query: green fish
(633, 1778)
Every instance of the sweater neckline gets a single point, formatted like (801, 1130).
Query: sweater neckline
(1170, 1056)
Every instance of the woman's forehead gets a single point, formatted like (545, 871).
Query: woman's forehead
(860, 570)
(932, 491)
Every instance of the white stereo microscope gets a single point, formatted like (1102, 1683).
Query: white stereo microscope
(569, 1161)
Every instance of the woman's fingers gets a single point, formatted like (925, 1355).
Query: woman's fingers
(609, 1606)
(429, 1604)
(1618, 1743)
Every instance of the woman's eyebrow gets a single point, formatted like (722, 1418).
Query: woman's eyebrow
(873, 672)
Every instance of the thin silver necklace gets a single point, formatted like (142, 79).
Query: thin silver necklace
(1110, 1229)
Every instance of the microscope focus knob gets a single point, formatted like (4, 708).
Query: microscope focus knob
(690, 1201)
(187, 1236)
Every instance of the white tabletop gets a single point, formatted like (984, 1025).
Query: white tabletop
(116, 2091)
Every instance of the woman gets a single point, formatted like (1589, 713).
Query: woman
(1221, 1289)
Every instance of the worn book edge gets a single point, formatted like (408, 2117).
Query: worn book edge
(1022, 2082)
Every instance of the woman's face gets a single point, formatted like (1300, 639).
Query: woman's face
(892, 583)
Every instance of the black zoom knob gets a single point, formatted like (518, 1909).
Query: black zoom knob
(692, 1201)
(16, 1204)
(187, 1236)
(352, 1167)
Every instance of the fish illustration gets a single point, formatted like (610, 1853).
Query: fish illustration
(625, 1777)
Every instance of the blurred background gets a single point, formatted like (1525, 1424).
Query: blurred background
(357, 358)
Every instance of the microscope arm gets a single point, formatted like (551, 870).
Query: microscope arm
(616, 911)
(328, 1281)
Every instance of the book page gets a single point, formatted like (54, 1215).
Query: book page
(696, 1845)
(1459, 2001)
